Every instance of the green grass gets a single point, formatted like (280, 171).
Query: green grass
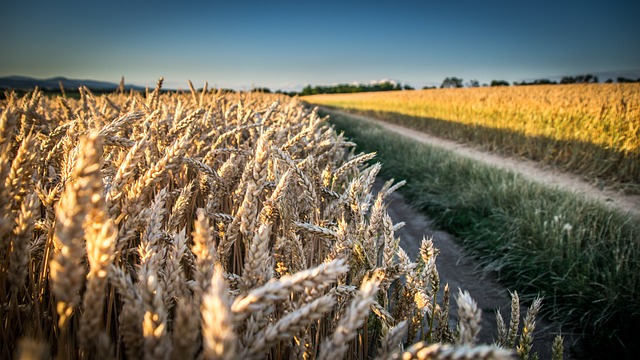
(579, 254)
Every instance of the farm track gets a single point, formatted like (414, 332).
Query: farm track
(456, 266)
(527, 168)
(461, 271)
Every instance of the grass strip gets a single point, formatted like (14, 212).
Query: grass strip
(577, 253)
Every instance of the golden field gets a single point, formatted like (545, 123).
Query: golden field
(589, 129)
(213, 226)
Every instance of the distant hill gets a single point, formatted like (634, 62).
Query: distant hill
(28, 83)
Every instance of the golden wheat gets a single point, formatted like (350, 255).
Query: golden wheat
(213, 225)
(590, 129)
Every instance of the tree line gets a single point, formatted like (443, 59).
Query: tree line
(448, 82)
(353, 88)
(454, 82)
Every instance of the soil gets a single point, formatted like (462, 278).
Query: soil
(458, 268)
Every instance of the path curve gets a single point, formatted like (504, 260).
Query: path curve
(527, 168)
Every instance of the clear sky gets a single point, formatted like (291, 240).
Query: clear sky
(288, 44)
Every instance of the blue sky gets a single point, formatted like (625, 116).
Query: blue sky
(287, 44)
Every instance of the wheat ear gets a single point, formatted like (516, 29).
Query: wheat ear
(186, 329)
(67, 272)
(280, 289)
(204, 250)
(22, 234)
(257, 264)
(469, 318)
(336, 346)
(528, 326)
(292, 324)
(557, 349)
(100, 241)
(219, 338)
(392, 341)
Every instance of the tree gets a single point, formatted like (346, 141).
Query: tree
(499, 83)
(567, 80)
(626, 80)
(265, 90)
(536, 82)
(579, 79)
(408, 87)
(474, 83)
(351, 88)
(451, 82)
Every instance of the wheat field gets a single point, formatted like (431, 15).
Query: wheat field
(212, 225)
(590, 129)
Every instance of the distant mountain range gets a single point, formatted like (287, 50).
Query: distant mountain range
(28, 83)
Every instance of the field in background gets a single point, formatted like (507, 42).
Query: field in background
(579, 254)
(589, 129)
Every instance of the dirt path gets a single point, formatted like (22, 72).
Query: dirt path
(457, 267)
(461, 271)
(527, 168)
